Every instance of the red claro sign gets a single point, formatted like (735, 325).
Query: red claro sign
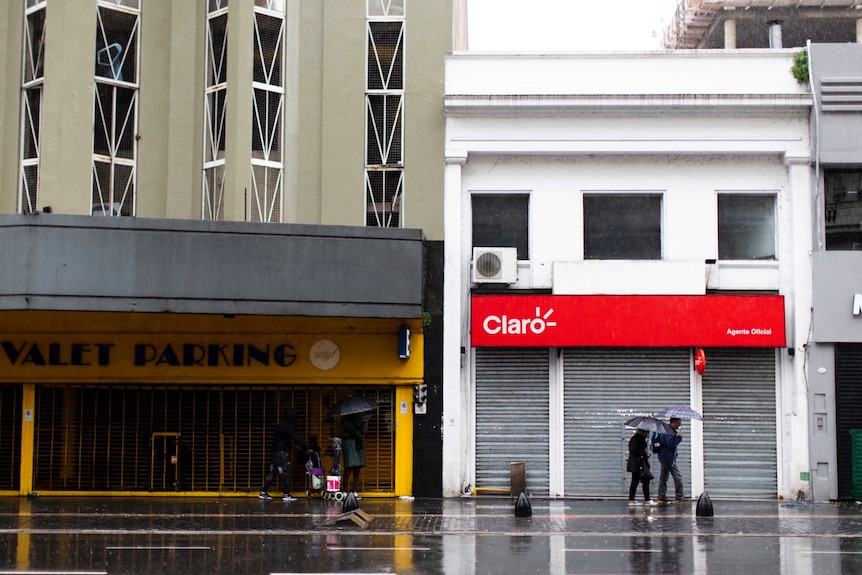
(699, 361)
(627, 321)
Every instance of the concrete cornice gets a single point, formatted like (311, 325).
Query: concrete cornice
(461, 103)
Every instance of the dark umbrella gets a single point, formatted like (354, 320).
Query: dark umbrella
(353, 404)
(649, 423)
(680, 411)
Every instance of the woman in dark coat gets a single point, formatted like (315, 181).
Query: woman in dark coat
(638, 459)
(352, 429)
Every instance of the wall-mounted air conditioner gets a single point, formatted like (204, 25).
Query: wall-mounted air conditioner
(495, 265)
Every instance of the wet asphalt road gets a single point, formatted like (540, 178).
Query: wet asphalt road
(147, 535)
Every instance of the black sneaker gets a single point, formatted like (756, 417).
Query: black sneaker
(265, 496)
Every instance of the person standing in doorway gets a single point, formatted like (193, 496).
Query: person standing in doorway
(285, 435)
(352, 429)
(667, 457)
(638, 466)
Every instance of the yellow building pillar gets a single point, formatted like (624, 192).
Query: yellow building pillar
(404, 440)
(28, 407)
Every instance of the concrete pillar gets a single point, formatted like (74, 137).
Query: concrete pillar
(859, 30)
(775, 34)
(456, 372)
(730, 34)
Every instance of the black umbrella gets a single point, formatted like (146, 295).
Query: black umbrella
(353, 404)
(649, 423)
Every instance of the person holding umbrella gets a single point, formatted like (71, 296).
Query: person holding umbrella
(352, 430)
(354, 412)
(669, 442)
(638, 466)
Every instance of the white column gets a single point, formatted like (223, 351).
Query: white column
(794, 422)
(456, 399)
(730, 34)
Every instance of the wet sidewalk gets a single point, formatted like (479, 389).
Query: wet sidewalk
(464, 535)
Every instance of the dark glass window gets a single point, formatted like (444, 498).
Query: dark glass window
(622, 227)
(843, 210)
(502, 221)
(746, 227)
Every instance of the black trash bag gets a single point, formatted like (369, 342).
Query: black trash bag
(704, 506)
(523, 507)
(350, 503)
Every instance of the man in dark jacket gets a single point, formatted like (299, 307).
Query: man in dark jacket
(285, 433)
(667, 458)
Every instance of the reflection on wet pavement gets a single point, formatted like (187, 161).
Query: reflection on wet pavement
(473, 536)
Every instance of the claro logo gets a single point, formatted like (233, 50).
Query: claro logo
(505, 325)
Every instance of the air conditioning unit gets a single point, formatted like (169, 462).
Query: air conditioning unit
(495, 265)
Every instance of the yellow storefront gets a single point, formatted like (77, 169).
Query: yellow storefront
(131, 403)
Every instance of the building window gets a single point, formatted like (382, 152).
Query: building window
(502, 221)
(215, 107)
(384, 114)
(746, 227)
(622, 227)
(115, 107)
(267, 161)
(843, 210)
(31, 104)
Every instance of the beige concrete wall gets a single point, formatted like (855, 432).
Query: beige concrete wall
(170, 144)
(11, 14)
(303, 112)
(342, 173)
(239, 77)
(428, 39)
(67, 107)
(324, 114)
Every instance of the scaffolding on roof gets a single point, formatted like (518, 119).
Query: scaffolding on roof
(693, 18)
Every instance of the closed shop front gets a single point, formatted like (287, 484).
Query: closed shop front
(602, 384)
(848, 394)
(512, 416)
(128, 403)
(835, 376)
(10, 436)
(609, 358)
(739, 428)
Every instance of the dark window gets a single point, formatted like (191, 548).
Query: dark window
(502, 221)
(746, 227)
(622, 227)
(843, 210)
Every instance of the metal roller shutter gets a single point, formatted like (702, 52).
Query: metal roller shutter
(10, 436)
(603, 388)
(512, 411)
(739, 427)
(848, 398)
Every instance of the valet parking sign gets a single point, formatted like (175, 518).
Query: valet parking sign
(627, 321)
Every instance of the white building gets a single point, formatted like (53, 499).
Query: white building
(659, 203)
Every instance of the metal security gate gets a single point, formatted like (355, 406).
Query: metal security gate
(10, 437)
(512, 417)
(603, 388)
(848, 399)
(210, 439)
(739, 427)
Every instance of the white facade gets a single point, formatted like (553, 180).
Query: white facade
(683, 125)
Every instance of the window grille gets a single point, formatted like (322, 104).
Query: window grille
(267, 161)
(384, 113)
(215, 107)
(31, 103)
(115, 112)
